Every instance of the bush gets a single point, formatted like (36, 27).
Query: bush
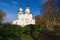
(16, 32)
(9, 32)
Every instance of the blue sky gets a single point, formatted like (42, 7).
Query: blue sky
(11, 7)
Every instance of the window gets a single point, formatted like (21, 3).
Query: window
(22, 19)
(26, 21)
(16, 22)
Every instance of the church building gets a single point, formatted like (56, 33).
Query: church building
(24, 18)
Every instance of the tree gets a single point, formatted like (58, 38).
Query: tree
(50, 13)
(2, 16)
(39, 20)
(32, 31)
(10, 32)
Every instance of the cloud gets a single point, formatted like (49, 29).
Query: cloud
(11, 4)
(14, 2)
(4, 4)
(14, 7)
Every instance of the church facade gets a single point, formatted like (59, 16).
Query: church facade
(24, 18)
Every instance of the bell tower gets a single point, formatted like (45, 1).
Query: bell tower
(27, 9)
(20, 10)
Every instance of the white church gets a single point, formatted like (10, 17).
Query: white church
(24, 18)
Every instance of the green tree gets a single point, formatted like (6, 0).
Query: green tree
(33, 31)
(10, 32)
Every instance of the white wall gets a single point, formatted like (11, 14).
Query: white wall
(24, 19)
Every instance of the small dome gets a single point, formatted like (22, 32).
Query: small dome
(27, 7)
(20, 6)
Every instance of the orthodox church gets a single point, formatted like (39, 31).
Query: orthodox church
(24, 18)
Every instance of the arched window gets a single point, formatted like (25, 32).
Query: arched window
(25, 18)
(26, 21)
(22, 19)
(16, 22)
